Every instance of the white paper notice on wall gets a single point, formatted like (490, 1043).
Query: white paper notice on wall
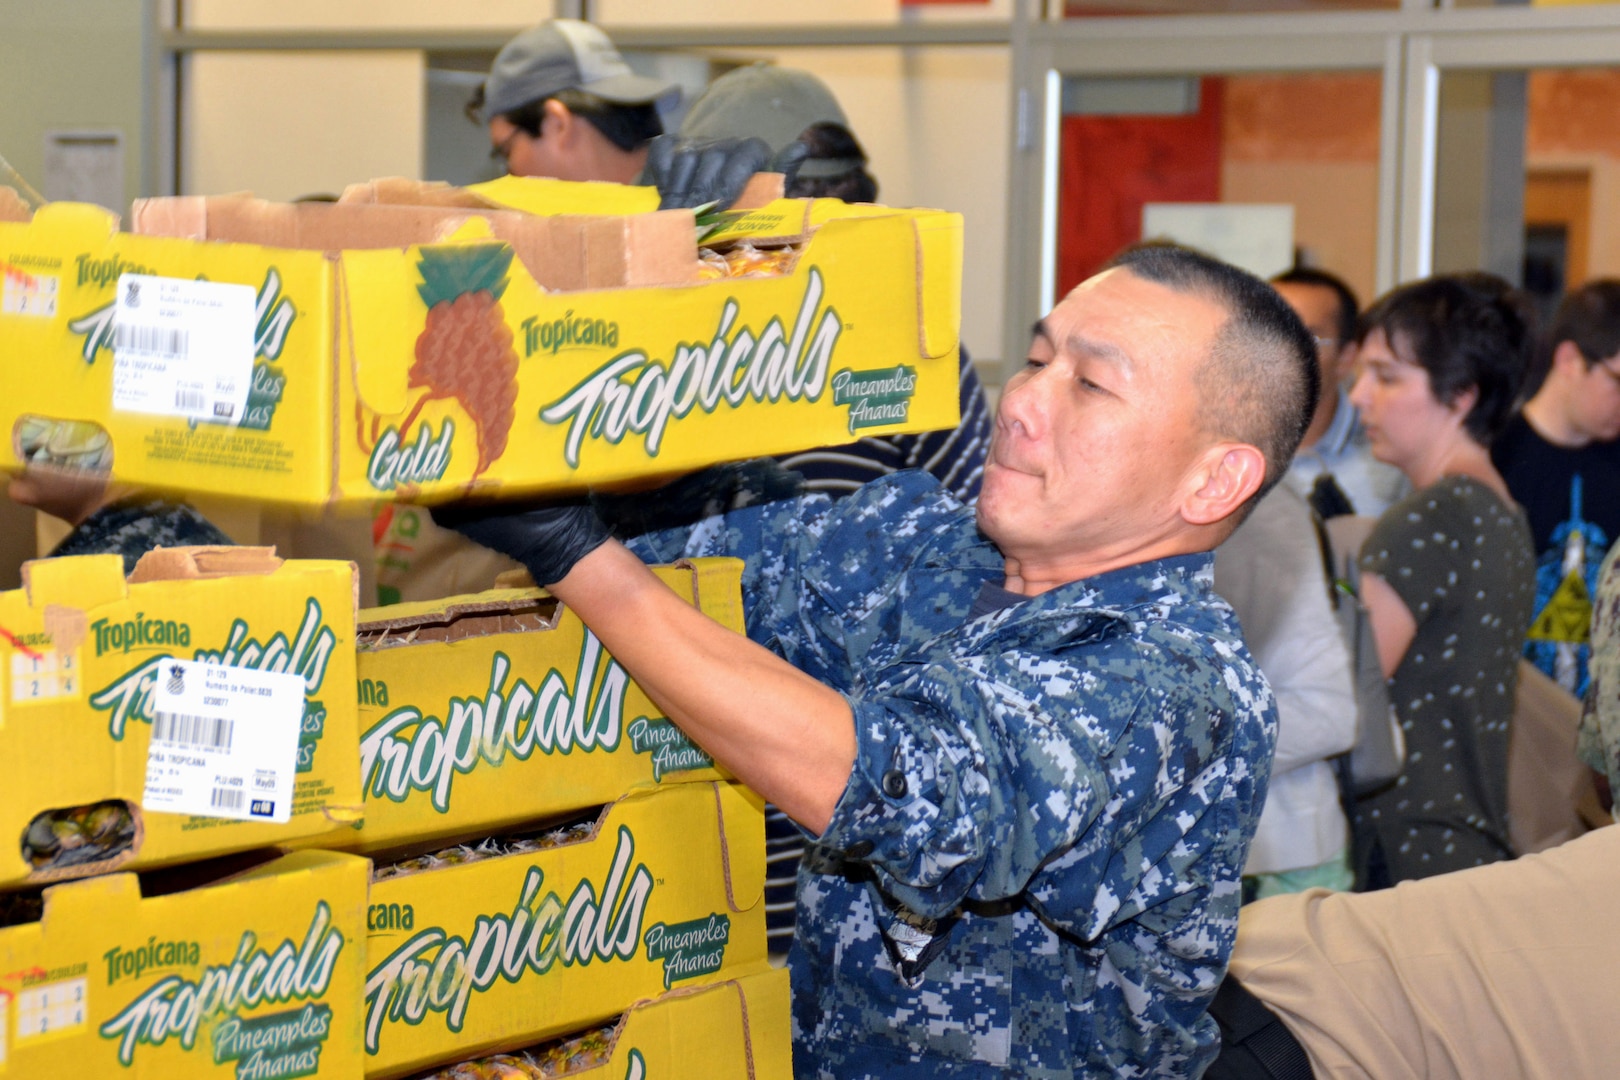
(85, 166)
(1259, 237)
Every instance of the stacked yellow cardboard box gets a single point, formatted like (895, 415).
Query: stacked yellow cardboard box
(340, 354)
(551, 856)
(486, 845)
(212, 961)
(483, 715)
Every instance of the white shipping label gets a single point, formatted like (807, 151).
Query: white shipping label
(182, 348)
(224, 741)
(28, 294)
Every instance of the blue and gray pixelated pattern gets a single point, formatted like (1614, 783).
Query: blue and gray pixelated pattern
(1051, 802)
(133, 527)
(1598, 743)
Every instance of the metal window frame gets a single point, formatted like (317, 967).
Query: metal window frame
(1411, 46)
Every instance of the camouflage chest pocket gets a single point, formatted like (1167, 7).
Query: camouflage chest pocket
(954, 1018)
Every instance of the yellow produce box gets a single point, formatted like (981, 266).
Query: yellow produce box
(470, 957)
(255, 977)
(346, 353)
(735, 1030)
(100, 770)
(481, 712)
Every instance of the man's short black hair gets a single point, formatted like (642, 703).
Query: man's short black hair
(1349, 307)
(1260, 381)
(629, 127)
(1589, 318)
(1469, 332)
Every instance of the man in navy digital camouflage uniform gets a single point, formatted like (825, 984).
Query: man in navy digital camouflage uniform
(1025, 741)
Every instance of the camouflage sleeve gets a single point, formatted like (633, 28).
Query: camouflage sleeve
(772, 538)
(967, 780)
(1598, 741)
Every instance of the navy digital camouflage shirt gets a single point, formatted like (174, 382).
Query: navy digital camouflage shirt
(1034, 869)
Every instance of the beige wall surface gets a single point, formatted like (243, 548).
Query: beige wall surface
(361, 14)
(70, 66)
(284, 125)
(1335, 211)
(766, 12)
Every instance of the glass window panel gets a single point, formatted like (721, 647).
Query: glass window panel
(1528, 169)
(1308, 142)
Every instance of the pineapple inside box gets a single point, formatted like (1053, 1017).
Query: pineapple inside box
(350, 352)
(256, 975)
(735, 1030)
(203, 706)
(480, 712)
(498, 945)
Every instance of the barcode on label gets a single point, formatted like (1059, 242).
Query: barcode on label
(190, 400)
(181, 729)
(151, 339)
(225, 798)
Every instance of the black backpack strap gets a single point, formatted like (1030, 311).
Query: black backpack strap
(1255, 1045)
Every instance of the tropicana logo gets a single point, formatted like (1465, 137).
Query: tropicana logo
(407, 751)
(178, 1008)
(435, 971)
(635, 394)
(130, 696)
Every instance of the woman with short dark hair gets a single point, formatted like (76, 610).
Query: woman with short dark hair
(1448, 572)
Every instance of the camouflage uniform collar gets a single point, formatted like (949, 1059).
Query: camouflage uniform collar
(1129, 595)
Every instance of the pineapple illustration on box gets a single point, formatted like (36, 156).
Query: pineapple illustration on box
(465, 351)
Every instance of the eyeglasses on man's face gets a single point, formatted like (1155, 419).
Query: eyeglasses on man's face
(502, 150)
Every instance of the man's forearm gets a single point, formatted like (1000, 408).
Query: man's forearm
(775, 728)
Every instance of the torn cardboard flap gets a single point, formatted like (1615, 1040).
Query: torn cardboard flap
(195, 563)
(402, 191)
(664, 250)
(81, 581)
(12, 206)
(517, 612)
(90, 902)
(66, 627)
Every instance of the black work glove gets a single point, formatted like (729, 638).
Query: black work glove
(689, 499)
(690, 173)
(548, 539)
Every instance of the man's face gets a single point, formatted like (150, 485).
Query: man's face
(532, 155)
(1096, 438)
(1318, 309)
(1596, 401)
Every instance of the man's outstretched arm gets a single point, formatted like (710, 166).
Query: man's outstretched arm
(776, 729)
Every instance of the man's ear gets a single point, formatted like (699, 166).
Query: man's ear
(556, 121)
(1567, 358)
(1227, 476)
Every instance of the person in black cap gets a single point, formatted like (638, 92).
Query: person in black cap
(561, 102)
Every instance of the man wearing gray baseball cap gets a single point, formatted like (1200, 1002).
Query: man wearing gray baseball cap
(561, 102)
